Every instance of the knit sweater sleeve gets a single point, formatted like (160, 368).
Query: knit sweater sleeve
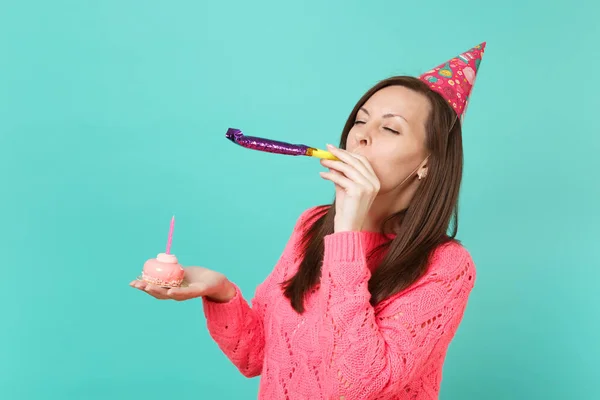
(370, 352)
(237, 326)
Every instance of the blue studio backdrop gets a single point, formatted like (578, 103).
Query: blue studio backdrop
(112, 119)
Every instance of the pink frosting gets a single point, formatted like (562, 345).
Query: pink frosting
(164, 270)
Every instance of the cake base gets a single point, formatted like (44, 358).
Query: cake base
(160, 283)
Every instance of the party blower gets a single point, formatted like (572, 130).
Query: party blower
(274, 146)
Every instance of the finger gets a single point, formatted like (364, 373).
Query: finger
(144, 287)
(339, 179)
(365, 161)
(337, 187)
(157, 291)
(346, 157)
(339, 191)
(371, 175)
(138, 284)
(348, 170)
(358, 161)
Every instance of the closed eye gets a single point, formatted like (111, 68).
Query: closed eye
(358, 122)
(392, 130)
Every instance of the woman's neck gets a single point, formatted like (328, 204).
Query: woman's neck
(386, 205)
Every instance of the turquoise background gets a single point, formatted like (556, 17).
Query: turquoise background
(112, 119)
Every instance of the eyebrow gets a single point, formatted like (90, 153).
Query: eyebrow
(386, 115)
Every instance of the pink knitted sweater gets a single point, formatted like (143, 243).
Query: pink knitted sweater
(342, 347)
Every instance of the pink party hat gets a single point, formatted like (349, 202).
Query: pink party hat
(455, 78)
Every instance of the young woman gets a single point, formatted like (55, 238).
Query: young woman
(370, 290)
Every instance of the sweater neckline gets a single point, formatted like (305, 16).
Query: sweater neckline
(372, 239)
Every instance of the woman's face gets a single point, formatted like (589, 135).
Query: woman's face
(389, 131)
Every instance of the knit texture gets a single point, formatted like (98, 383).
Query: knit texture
(342, 347)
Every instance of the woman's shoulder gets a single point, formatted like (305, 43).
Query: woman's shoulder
(310, 215)
(452, 258)
(449, 278)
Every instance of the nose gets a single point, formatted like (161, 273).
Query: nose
(363, 137)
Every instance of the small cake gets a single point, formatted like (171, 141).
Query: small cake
(164, 271)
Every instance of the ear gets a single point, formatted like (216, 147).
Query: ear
(422, 171)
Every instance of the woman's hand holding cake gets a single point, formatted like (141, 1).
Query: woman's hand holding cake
(198, 282)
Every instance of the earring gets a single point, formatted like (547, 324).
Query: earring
(421, 175)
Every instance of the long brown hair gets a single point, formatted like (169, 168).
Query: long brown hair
(424, 223)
